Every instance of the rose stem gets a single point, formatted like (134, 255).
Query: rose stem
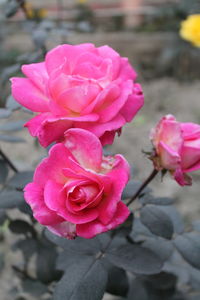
(8, 161)
(144, 184)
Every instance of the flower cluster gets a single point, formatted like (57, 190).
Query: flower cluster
(82, 96)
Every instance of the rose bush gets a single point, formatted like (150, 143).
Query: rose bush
(177, 148)
(79, 86)
(76, 190)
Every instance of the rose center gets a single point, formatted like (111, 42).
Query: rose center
(82, 196)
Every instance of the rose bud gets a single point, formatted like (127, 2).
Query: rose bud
(177, 148)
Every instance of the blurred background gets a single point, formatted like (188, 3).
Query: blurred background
(145, 31)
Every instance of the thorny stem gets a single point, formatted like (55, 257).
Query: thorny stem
(144, 184)
(7, 160)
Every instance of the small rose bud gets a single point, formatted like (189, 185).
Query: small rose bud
(176, 148)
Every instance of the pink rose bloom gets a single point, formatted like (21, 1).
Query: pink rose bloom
(177, 147)
(76, 191)
(79, 86)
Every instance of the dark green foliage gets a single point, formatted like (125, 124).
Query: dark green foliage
(188, 244)
(86, 280)
(135, 259)
(3, 171)
(22, 227)
(157, 221)
(19, 180)
(117, 282)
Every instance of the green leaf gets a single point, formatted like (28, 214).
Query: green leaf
(188, 244)
(157, 221)
(137, 291)
(165, 249)
(79, 245)
(149, 199)
(28, 247)
(135, 259)
(20, 179)
(117, 282)
(46, 263)
(175, 217)
(139, 231)
(34, 288)
(11, 199)
(21, 227)
(3, 171)
(162, 281)
(86, 280)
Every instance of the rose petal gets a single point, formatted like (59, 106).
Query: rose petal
(121, 171)
(52, 167)
(182, 178)
(169, 159)
(64, 229)
(64, 57)
(33, 194)
(190, 155)
(190, 131)
(37, 73)
(54, 197)
(90, 230)
(85, 147)
(133, 104)
(99, 129)
(113, 108)
(28, 95)
(126, 71)
(77, 98)
(47, 128)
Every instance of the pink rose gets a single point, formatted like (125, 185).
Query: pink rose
(76, 191)
(79, 86)
(177, 147)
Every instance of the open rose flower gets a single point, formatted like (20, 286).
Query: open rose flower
(177, 148)
(76, 191)
(78, 86)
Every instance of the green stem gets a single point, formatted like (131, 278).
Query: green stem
(142, 187)
(8, 161)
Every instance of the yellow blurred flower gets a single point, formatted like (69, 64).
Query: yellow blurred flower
(29, 10)
(190, 29)
(34, 13)
(42, 13)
